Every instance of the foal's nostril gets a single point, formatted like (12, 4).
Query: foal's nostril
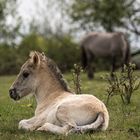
(12, 91)
(13, 94)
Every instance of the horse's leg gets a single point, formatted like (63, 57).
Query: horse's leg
(89, 66)
(122, 66)
(126, 57)
(32, 123)
(113, 64)
(124, 62)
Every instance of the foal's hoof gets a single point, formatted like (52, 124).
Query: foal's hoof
(76, 130)
(24, 125)
(40, 129)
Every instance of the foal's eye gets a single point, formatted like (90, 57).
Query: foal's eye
(25, 74)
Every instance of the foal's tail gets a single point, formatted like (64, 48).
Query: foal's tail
(101, 123)
(105, 124)
(83, 57)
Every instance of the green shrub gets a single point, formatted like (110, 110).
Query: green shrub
(8, 60)
(64, 52)
(61, 49)
(123, 84)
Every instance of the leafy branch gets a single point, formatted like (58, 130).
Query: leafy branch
(123, 84)
(76, 73)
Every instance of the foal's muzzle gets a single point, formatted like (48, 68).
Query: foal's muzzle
(13, 94)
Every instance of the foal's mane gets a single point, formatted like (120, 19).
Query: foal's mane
(57, 73)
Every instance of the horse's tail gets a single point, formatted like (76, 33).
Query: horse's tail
(83, 57)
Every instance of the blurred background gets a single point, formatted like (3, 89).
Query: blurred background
(56, 27)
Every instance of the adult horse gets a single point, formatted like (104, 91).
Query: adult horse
(58, 110)
(111, 46)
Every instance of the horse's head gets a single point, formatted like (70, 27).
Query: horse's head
(27, 78)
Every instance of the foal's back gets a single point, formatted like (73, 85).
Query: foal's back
(82, 109)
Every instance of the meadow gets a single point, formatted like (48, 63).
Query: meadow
(124, 120)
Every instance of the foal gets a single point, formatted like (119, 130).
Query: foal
(58, 110)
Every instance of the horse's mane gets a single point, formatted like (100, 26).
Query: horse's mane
(54, 70)
(57, 73)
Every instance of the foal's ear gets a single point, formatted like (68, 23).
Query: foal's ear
(35, 59)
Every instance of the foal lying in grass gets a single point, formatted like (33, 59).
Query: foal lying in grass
(58, 110)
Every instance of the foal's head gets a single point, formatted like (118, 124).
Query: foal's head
(34, 70)
(25, 82)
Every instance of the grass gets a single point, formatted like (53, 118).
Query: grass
(124, 120)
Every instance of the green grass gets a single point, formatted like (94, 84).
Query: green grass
(124, 120)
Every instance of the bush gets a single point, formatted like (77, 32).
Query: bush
(61, 49)
(8, 60)
(64, 52)
(123, 84)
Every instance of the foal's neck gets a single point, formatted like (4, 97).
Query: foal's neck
(47, 91)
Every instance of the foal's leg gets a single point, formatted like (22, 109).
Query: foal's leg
(26, 123)
(63, 118)
(32, 123)
(55, 129)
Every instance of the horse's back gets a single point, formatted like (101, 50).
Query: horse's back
(104, 44)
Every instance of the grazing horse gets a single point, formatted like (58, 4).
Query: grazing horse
(111, 46)
(58, 110)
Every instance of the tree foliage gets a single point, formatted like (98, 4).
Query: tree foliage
(8, 31)
(106, 13)
(65, 53)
